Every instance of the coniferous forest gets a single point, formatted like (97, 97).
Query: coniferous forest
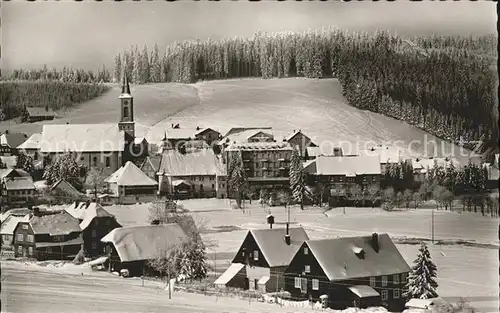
(442, 84)
(53, 88)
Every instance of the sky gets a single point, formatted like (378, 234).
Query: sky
(88, 34)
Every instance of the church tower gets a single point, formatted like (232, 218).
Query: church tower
(127, 123)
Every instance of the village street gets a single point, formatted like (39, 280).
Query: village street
(29, 289)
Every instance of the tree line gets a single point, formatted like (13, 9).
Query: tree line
(55, 94)
(66, 74)
(443, 184)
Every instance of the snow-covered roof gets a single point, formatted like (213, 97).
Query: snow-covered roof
(82, 138)
(135, 243)
(131, 175)
(33, 142)
(348, 166)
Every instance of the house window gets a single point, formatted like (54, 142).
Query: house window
(403, 278)
(108, 162)
(315, 284)
(384, 281)
(20, 250)
(31, 238)
(213, 186)
(25, 226)
(30, 251)
(49, 249)
(306, 250)
(395, 293)
(395, 279)
(307, 268)
(82, 158)
(58, 238)
(19, 237)
(256, 255)
(35, 156)
(384, 295)
(297, 282)
(94, 233)
(372, 281)
(94, 245)
(94, 159)
(125, 111)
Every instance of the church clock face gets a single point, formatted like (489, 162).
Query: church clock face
(125, 102)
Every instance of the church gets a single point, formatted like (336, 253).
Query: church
(104, 146)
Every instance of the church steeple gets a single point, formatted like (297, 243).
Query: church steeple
(125, 85)
(126, 122)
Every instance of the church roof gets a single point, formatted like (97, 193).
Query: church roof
(82, 138)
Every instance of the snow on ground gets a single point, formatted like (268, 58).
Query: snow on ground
(463, 270)
(315, 106)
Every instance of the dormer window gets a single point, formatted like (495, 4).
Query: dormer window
(359, 252)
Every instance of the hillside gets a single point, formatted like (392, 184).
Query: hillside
(315, 106)
(152, 104)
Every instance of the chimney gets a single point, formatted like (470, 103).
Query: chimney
(172, 125)
(6, 131)
(375, 244)
(197, 127)
(287, 235)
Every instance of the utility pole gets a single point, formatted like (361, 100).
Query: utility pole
(432, 226)
(169, 287)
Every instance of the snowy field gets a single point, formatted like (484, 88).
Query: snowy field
(464, 271)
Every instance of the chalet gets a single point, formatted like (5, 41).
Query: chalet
(63, 190)
(49, 236)
(350, 271)
(7, 233)
(131, 247)
(191, 175)
(299, 141)
(17, 190)
(386, 154)
(151, 165)
(31, 147)
(10, 141)
(36, 114)
(262, 259)
(343, 175)
(245, 135)
(267, 164)
(10, 161)
(129, 184)
(208, 135)
(312, 152)
(95, 223)
(105, 146)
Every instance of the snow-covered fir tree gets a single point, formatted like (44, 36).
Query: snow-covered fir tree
(297, 179)
(422, 278)
(237, 176)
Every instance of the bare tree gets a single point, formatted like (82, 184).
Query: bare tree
(95, 179)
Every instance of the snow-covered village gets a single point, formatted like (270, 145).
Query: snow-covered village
(249, 157)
